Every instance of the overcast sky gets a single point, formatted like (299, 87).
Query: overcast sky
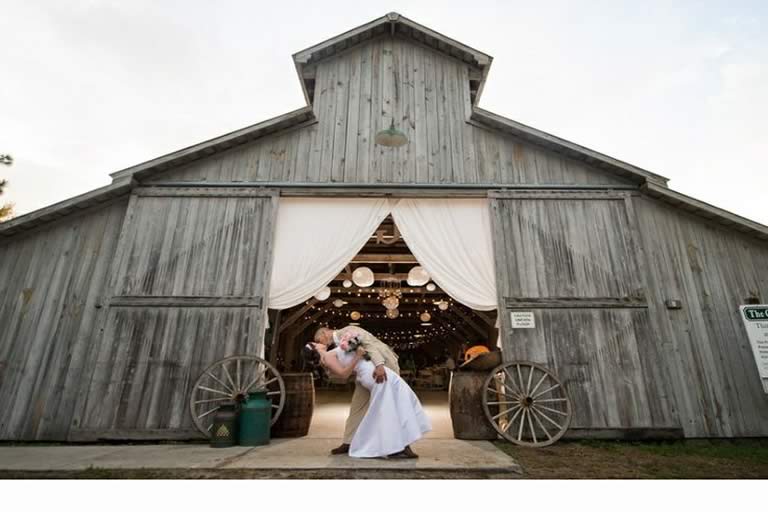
(91, 87)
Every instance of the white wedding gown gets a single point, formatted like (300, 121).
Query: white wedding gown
(395, 417)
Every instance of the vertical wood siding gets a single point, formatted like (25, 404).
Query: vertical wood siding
(574, 263)
(182, 256)
(52, 285)
(712, 270)
(357, 94)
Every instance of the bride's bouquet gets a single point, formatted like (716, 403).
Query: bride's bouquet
(350, 343)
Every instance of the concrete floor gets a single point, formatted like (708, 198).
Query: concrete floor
(280, 454)
(438, 451)
(331, 408)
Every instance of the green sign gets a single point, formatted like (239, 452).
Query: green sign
(757, 313)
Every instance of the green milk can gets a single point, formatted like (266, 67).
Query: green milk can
(255, 419)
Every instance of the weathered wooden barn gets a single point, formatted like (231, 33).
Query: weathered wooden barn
(112, 302)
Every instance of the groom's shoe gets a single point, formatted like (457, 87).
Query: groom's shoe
(340, 450)
(409, 454)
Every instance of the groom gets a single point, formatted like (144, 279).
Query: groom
(381, 356)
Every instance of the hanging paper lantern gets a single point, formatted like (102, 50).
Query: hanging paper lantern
(363, 277)
(393, 313)
(323, 293)
(355, 315)
(417, 276)
(431, 287)
(425, 317)
(339, 303)
(442, 305)
(391, 302)
(347, 283)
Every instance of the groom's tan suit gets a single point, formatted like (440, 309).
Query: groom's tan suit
(380, 354)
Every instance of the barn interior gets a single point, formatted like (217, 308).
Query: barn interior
(385, 291)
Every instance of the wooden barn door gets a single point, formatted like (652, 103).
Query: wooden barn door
(573, 260)
(189, 285)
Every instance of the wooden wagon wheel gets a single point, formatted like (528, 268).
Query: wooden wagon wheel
(232, 378)
(526, 404)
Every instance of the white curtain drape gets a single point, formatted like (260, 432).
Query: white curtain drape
(451, 238)
(315, 238)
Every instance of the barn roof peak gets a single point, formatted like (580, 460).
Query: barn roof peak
(396, 25)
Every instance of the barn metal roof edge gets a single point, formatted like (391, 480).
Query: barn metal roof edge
(565, 147)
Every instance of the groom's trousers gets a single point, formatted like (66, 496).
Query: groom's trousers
(359, 407)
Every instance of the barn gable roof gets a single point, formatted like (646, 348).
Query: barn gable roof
(479, 63)
(397, 25)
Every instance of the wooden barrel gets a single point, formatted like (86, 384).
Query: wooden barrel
(465, 397)
(296, 417)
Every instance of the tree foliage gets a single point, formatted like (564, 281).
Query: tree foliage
(6, 210)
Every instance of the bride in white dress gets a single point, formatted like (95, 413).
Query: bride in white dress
(395, 418)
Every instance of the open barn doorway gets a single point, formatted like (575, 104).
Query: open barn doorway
(429, 330)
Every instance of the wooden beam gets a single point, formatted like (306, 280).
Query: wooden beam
(297, 315)
(470, 321)
(273, 344)
(485, 317)
(303, 325)
(377, 276)
(384, 258)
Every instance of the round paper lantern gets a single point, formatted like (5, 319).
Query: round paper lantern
(363, 277)
(391, 302)
(393, 313)
(417, 276)
(425, 317)
(323, 293)
(442, 305)
(355, 315)
(338, 303)
(347, 283)
(431, 287)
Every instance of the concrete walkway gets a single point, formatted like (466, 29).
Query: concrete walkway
(285, 454)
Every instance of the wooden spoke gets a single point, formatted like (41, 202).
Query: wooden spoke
(233, 372)
(229, 377)
(543, 377)
(512, 420)
(215, 391)
(522, 424)
(530, 425)
(528, 386)
(255, 380)
(517, 394)
(546, 391)
(547, 418)
(211, 400)
(561, 413)
(506, 411)
(512, 380)
(206, 413)
(520, 388)
(220, 382)
(541, 425)
(520, 378)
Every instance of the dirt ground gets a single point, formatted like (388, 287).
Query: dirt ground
(700, 459)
